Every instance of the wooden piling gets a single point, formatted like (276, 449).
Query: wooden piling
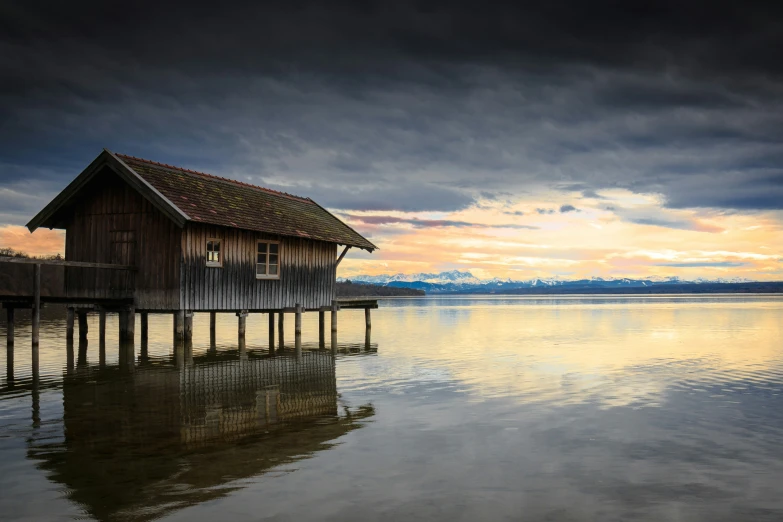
(280, 331)
(9, 332)
(36, 309)
(367, 321)
(213, 330)
(81, 360)
(69, 316)
(367, 332)
(298, 330)
(127, 325)
(82, 325)
(241, 323)
(102, 327)
(335, 307)
(9, 365)
(187, 328)
(145, 327)
(321, 329)
(179, 326)
(271, 332)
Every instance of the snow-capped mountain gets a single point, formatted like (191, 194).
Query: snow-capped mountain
(456, 281)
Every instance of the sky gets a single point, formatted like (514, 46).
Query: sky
(569, 139)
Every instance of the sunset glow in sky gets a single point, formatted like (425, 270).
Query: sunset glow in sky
(566, 140)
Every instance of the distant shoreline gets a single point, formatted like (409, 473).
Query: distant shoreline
(757, 288)
(660, 289)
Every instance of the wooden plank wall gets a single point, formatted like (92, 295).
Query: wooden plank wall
(114, 224)
(307, 272)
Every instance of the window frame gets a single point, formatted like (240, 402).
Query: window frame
(219, 262)
(268, 276)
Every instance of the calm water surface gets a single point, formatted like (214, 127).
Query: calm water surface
(570, 408)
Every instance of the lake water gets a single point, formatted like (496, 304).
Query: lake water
(487, 408)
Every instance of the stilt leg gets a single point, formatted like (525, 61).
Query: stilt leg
(213, 331)
(335, 307)
(69, 316)
(241, 324)
(82, 326)
(9, 332)
(145, 327)
(179, 326)
(36, 310)
(271, 332)
(321, 329)
(187, 329)
(298, 331)
(102, 327)
(280, 331)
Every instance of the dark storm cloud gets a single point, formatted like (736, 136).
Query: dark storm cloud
(405, 105)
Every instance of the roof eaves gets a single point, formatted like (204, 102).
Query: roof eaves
(372, 245)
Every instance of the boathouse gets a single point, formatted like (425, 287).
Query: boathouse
(143, 236)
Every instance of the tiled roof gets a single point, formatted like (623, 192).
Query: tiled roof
(205, 198)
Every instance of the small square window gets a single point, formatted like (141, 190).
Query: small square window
(214, 258)
(267, 260)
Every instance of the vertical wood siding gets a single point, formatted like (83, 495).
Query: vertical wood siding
(307, 272)
(114, 224)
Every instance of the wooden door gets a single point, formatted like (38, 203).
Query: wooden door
(123, 252)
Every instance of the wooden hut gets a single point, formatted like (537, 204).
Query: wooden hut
(196, 242)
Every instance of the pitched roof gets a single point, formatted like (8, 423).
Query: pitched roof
(204, 198)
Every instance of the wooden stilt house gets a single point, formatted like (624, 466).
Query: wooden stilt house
(198, 242)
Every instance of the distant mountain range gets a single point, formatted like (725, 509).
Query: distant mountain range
(463, 282)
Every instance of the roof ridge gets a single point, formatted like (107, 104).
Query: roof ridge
(220, 178)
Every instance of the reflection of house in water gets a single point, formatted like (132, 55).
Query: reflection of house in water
(140, 444)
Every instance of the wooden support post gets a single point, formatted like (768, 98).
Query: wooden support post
(271, 332)
(187, 328)
(242, 349)
(69, 358)
(367, 321)
(241, 323)
(9, 364)
(101, 338)
(335, 307)
(280, 330)
(9, 331)
(81, 360)
(298, 330)
(367, 332)
(69, 316)
(188, 352)
(179, 351)
(321, 329)
(145, 327)
(102, 327)
(36, 309)
(82, 325)
(213, 330)
(127, 325)
(179, 326)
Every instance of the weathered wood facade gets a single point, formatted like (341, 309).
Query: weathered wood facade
(307, 272)
(159, 219)
(112, 223)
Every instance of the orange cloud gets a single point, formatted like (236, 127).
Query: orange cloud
(42, 242)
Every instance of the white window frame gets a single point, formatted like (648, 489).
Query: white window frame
(255, 267)
(207, 251)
